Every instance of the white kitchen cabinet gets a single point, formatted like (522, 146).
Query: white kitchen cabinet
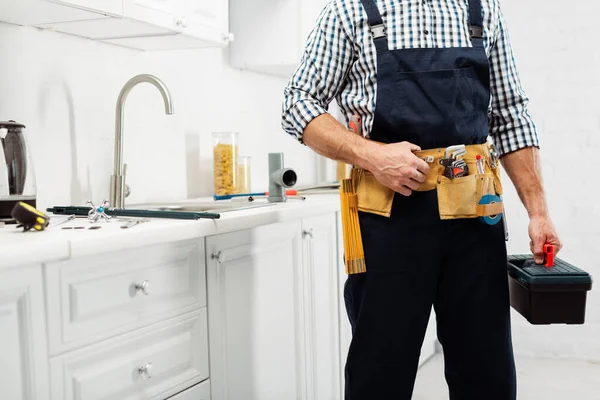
(199, 392)
(114, 7)
(138, 24)
(321, 297)
(274, 312)
(152, 364)
(271, 34)
(91, 298)
(257, 349)
(23, 353)
(177, 24)
(45, 12)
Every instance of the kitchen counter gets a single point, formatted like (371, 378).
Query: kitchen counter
(54, 244)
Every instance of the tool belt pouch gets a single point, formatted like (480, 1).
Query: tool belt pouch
(459, 198)
(373, 197)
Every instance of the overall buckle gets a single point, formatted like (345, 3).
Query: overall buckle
(476, 32)
(378, 31)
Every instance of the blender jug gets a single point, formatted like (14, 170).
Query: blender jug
(17, 179)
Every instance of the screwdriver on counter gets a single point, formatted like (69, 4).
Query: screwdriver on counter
(291, 192)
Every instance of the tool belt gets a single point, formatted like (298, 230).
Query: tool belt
(458, 196)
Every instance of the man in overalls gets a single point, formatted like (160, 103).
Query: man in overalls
(422, 74)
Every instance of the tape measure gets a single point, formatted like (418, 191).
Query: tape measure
(29, 217)
(490, 199)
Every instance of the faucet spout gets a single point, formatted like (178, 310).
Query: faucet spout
(117, 182)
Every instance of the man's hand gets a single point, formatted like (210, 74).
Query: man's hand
(393, 165)
(396, 166)
(523, 168)
(541, 232)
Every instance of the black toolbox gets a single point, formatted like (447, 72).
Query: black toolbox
(548, 295)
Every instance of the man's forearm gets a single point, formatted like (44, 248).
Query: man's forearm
(523, 168)
(327, 137)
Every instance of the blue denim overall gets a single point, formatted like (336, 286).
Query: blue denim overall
(432, 97)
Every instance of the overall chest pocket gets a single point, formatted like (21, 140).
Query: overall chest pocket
(437, 95)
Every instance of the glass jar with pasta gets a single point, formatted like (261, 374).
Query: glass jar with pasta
(225, 154)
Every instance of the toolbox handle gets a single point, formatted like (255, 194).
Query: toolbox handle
(549, 252)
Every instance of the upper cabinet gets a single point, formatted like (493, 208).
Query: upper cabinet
(114, 7)
(42, 12)
(177, 24)
(138, 24)
(271, 34)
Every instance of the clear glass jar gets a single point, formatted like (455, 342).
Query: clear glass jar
(225, 156)
(243, 174)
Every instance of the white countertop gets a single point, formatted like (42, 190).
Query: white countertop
(54, 244)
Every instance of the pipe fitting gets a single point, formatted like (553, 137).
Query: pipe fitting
(280, 178)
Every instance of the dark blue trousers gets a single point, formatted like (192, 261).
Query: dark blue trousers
(416, 261)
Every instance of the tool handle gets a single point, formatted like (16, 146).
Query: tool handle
(549, 252)
(290, 192)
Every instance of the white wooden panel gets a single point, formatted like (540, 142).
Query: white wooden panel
(100, 29)
(35, 12)
(114, 7)
(257, 347)
(321, 296)
(23, 352)
(94, 297)
(177, 353)
(199, 392)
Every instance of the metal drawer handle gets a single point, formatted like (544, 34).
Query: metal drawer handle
(218, 256)
(143, 287)
(309, 232)
(146, 371)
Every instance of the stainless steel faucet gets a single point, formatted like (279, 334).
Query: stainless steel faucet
(118, 189)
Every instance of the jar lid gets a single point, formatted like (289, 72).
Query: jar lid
(11, 124)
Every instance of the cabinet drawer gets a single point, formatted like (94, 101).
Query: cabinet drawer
(199, 392)
(96, 297)
(152, 364)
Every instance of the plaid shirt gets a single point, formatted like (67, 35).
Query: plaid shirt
(340, 62)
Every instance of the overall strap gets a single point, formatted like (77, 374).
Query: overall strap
(376, 24)
(476, 23)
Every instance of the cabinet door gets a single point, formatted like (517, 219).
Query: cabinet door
(114, 7)
(23, 354)
(161, 13)
(270, 35)
(321, 294)
(206, 20)
(256, 314)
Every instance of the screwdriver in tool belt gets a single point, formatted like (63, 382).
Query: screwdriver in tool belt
(479, 163)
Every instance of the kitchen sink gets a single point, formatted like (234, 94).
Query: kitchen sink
(217, 207)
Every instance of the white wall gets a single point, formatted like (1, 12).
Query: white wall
(558, 57)
(65, 90)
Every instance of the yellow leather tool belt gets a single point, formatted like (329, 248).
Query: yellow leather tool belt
(457, 198)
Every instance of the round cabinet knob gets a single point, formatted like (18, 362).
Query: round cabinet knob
(228, 37)
(127, 190)
(143, 287)
(146, 371)
(308, 233)
(182, 22)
